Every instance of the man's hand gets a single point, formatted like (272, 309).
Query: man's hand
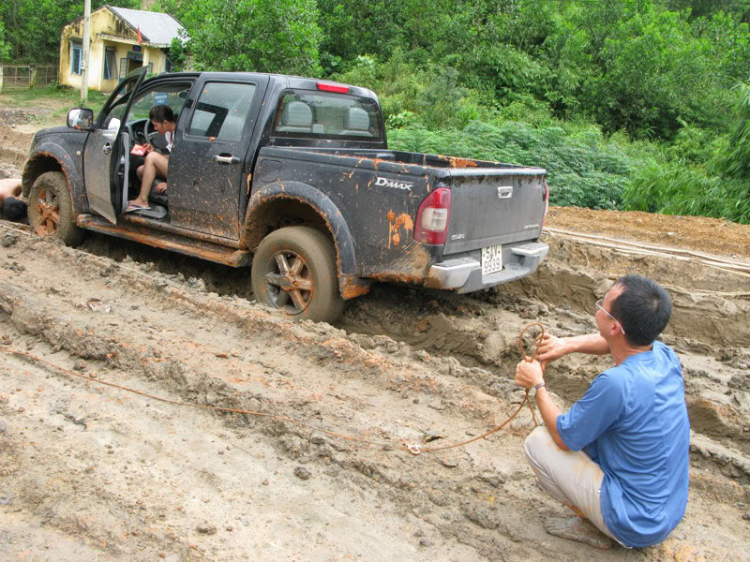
(529, 374)
(551, 348)
(147, 148)
(161, 187)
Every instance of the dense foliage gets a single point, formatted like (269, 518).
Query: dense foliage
(258, 35)
(627, 103)
(585, 169)
(700, 179)
(33, 27)
(4, 45)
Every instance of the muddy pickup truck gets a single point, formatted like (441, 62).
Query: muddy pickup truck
(293, 177)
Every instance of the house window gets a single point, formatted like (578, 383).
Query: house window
(110, 67)
(76, 56)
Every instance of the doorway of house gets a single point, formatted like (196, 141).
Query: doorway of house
(132, 62)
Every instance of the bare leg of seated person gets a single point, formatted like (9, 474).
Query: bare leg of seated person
(161, 187)
(155, 164)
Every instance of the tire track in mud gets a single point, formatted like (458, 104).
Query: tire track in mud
(225, 351)
(65, 329)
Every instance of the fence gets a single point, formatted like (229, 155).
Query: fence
(25, 76)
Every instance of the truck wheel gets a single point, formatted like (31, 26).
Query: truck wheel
(51, 209)
(294, 270)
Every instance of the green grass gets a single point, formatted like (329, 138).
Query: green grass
(53, 95)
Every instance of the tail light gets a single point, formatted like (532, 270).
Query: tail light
(546, 203)
(433, 217)
(336, 88)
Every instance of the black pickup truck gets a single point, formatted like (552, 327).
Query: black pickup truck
(292, 176)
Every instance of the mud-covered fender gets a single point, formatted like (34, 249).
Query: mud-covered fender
(50, 156)
(350, 284)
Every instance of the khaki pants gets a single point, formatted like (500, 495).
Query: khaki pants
(572, 478)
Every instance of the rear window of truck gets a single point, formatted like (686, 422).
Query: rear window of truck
(321, 114)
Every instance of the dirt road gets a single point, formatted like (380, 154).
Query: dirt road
(92, 472)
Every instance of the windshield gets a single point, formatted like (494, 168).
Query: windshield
(311, 113)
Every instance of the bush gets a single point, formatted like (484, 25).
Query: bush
(411, 95)
(584, 168)
(734, 157)
(678, 190)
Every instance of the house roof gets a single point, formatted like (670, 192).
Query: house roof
(156, 28)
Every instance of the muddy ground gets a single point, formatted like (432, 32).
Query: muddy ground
(92, 472)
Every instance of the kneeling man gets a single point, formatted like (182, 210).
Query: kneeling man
(619, 457)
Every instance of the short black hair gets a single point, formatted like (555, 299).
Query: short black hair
(643, 308)
(14, 209)
(160, 113)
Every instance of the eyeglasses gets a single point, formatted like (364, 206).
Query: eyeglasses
(599, 306)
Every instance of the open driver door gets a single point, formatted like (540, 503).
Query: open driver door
(106, 155)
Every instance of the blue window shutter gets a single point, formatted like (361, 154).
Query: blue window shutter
(110, 66)
(75, 59)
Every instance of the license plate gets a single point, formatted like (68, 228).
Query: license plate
(492, 259)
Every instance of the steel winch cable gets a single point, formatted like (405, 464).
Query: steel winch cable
(414, 449)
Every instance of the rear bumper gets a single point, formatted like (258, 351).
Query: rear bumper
(464, 274)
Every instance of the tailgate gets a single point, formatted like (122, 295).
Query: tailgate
(491, 207)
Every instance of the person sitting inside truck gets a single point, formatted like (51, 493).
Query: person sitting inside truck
(156, 164)
(12, 207)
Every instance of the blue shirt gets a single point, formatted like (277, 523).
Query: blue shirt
(633, 422)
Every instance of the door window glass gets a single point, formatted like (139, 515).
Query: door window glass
(222, 110)
(173, 95)
(117, 105)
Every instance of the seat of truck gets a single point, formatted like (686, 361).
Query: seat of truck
(296, 117)
(356, 122)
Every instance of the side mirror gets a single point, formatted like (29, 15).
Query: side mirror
(81, 119)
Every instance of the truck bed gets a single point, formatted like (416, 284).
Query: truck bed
(495, 209)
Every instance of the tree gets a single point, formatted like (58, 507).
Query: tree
(4, 45)
(251, 35)
(644, 69)
(33, 27)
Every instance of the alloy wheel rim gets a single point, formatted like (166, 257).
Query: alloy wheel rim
(289, 282)
(48, 211)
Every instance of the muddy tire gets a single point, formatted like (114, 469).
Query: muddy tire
(51, 209)
(294, 270)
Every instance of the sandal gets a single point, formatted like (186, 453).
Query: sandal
(133, 208)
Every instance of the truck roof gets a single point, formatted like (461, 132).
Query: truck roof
(283, 80)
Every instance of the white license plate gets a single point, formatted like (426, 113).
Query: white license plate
(492, 259)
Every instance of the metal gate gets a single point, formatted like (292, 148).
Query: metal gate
(25, 76)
